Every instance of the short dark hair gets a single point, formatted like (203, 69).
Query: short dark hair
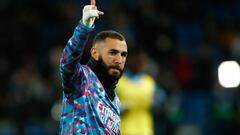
(101, 36)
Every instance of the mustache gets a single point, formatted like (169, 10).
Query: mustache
(115, 67)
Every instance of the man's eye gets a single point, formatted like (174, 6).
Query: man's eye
(124, 54)
(113, 53)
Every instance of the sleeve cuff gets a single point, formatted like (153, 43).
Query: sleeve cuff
(88, 29)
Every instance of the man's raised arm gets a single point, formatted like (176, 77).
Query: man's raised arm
(75, 46)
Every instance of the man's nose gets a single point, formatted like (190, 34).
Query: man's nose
(118, 59)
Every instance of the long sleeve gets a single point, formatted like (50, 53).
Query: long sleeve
(72, 55)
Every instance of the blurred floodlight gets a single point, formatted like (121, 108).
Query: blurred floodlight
(229, 74)
(56, 111)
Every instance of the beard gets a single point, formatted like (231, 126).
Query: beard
(109, 80)
(107, 69)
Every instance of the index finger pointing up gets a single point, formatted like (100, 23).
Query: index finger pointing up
(93, 2)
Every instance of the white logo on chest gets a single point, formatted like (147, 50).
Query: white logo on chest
(108, 117)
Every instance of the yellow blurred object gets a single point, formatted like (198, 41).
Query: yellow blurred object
(137, 98)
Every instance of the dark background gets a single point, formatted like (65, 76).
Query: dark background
(185, 40)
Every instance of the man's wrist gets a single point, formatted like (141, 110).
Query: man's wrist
(88, 28)
(89, 25)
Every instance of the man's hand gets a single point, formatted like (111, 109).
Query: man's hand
(90, 12)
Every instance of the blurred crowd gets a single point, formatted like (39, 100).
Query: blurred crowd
(185, 42)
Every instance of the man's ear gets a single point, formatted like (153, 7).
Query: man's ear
(94, 53)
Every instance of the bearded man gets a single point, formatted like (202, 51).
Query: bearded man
(90, 104)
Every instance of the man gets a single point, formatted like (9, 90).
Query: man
(90, 105)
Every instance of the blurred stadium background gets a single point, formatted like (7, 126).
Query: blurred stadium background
(185, 40)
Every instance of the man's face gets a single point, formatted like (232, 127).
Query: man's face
(112, 56)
